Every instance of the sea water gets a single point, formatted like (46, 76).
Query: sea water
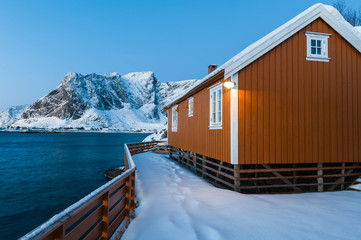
(43, 173)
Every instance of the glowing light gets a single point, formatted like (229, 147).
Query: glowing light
(228, 84)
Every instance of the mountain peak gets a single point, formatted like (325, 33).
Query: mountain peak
(111, 75)
(138, 75)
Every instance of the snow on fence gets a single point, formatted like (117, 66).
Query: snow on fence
(102, 212)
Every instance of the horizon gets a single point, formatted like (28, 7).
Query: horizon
(42, 42)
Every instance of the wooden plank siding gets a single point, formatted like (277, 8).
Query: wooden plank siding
(296, 111)
(193, 133)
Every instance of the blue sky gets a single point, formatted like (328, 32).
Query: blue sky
(41, 41)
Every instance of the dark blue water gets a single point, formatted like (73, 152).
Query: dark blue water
(43, 173)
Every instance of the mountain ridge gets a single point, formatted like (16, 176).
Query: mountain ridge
(129, 102)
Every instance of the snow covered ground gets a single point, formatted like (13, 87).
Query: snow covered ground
(176, 204)
(160, 134)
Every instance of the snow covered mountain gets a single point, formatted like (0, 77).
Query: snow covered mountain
(10, 115)
(132, 101)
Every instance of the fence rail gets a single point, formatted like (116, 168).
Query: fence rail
(99, 214)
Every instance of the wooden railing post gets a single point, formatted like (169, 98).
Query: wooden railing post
(132, 205)
(126, 160)
(105, 234)
(128, 197)
(236, 174)
(59, 233)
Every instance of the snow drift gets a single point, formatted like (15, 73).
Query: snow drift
(174, 204)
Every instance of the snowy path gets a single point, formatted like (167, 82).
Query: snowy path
(176, 204)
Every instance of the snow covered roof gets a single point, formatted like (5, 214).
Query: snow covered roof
(328, 13)
(358, 28)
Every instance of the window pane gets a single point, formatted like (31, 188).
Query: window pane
(190, 106)
(219, 110)
(216, 106)
(313, 42)
(319, 51)
(174, 119)
(313, 50)
(318, 43)
(214, 112)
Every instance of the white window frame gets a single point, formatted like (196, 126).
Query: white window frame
(190, 106)
(217, 111)
(323, 37)
(174, 118)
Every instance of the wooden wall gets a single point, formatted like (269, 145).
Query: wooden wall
(193, 132)
(297, 111)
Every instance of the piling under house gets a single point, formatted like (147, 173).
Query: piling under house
(283, 115)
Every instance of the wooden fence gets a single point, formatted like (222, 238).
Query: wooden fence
(271, 178)
(99, 214)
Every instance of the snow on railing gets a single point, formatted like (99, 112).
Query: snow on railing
(102, 212)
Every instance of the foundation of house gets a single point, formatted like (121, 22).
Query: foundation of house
(270, 178)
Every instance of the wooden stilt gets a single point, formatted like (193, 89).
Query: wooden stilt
(294, 174)
(340, 180)
(219, 168)
(320, 179)
(343, 178)
(237, 183)
(203, 166)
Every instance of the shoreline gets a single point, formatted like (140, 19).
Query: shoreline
(71, 131)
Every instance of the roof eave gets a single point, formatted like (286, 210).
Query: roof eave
(203, 84)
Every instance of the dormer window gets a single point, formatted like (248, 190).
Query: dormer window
(317, 46)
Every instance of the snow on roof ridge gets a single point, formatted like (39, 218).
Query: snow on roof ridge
(358, 28)
(318, 8)
(268, 37)
(273, 33)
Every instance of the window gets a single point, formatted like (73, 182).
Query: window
(190, 107)
(175, 118)
(317, 46)
(215, 101)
